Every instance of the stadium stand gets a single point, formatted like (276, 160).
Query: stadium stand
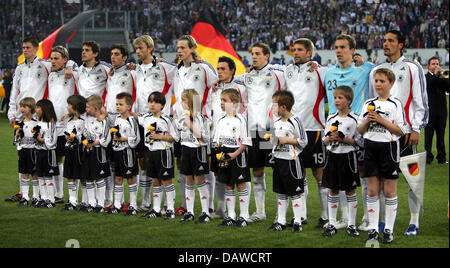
(277, 23)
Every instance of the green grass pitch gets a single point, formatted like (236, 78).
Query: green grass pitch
(32, 227)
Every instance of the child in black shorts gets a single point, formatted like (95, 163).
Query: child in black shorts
(194, 139)
(231, 140)
(289, 140)
(341, 168)
(381, 123)
(25, 143)
(159, 136)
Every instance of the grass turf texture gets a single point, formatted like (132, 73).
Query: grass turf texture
(35, 227)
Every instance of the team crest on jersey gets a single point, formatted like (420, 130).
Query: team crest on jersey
(308, 78)
(155, 76)
(66, 82)
(268, 84)
(249, 80)
(354, 83)
(196, 77)
(98, 78)
(290, 75)
(400, 77)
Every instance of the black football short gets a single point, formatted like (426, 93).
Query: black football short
(161, 164)
(260, 153)
(313, 155)
(381, 159)
(125, 162)
(97, 164)
(194, 161)
(235, 171)
(288, 177)
(46, 163)
(74, 164)
(341, 172)
(27, 161)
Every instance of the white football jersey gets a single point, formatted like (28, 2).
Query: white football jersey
(216, 109)
(164, 125)
(150, 78)
(187, 137)
(127, 128)
(260, 85)
(232, 132)
(97, 130)
(28, 141)
(48, 133)
(75, 126)
(292, 128)
(121, 81)
(410, 88)
(92, 80)
(309, 94)
(59, 89)
(391, 110)
(348, 126)
(199, 76)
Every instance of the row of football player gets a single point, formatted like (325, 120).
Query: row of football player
(258, 85)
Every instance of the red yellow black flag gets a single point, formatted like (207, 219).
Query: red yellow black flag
(211, 41)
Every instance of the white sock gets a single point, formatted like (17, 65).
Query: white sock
(157, 197)
(35, 189)
(84, 197)
(373, 211)
(414, 208)
(204, 197)
(220, 196)
(244, 204)
(90, 191)
(190, 198)
(110, 186)
(182, 184)
(343, 205)
(296, 207)
(133, 189)
(145, 183)
(25, 188)
(323, 197)
(352, 202)
(73, 193)
(333, 205)
(20, 178)
(230, 198)
(249, 189)
(59, 182)
(259, 189)
(170, 196)
(391, 212)
(303, 200)
(50, 186)
(364, 197)
(42, 188)
(118, 195)
(382, 206)
(211, 183)
(282, 201)
(101, 187)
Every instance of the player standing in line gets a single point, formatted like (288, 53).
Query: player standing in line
(30, 80)
(231, 140)
(73, 160)
(260, 84)
(288, 141)
(226, 69)
(125, 136)
(341, 170)
(160, 133)
(346, 73)
(151, 76)
(25, 143)
(59, 89)
(410, 89)
(382, 126)
(194, 140)
(309, 92)
(190, 75)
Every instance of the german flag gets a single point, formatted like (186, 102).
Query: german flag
(61, 36)
(211, 41)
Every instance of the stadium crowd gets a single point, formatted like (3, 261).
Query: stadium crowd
(246, 21)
